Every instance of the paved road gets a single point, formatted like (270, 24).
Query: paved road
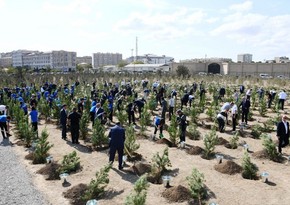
(15, 185)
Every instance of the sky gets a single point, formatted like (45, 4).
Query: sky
(182, 29)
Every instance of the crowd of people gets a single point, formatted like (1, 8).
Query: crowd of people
(121, 97)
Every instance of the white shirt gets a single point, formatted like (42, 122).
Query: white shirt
(171, 102)
(3, 108)
(234, 109)
(249, 92)
(282, 95)
(286, 127)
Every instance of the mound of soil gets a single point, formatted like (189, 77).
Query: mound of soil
(75, 193)
(135, 157)
(195, 150)
(228, 167)
(141, 168)
(177, 194)
(262, 154)
(50, 170)
(29, 156)
(222, 141)
(229, 146)
(154, 178)
(164, 141)
(20, 143)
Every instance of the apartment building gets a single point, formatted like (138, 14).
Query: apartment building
(5, 62)
(151, 59)
(102, 59)
(84, 59)
(245, 58)
(60, 60)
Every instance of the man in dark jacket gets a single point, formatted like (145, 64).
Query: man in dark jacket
(246, 104)
(181, 119)
(74, 118)
(117, 141)
(283, 133)
(63, 121)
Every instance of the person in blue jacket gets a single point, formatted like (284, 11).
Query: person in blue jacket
(117, 140)
(23, 106)
(4, 125)
(158, 123)
(34, 119)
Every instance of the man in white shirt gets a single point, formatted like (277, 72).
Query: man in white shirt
(282, 98)
(234, 111)
(171, 106)
(3, 109)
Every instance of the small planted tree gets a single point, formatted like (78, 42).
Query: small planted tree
(263, 107)
(249, 169)
(130, 143)
(234, 141)
(210, 141)
(97, 186)
(194, 112)
(270, 148)
(159, 165)
(84, 122)
(122, 116)
(173, 130)
(196, 185)
(152, 104)
(211, 113)
(193, 132)
(98, 137)
(140, 192)
(256, 131)
(70, 163)
(42, 148)
(145, 119)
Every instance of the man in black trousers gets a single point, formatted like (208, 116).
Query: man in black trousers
(283, 133)
(63, 121)
(74, 118)
(117, 140)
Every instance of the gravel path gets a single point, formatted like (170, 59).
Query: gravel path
(16, 185)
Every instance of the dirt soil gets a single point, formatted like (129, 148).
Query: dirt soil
(228, 167)
(224, 186)
(177, 194)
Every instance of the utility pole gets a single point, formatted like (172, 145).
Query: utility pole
(136, 47)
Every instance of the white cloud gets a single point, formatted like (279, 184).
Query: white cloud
(165, 25)
(74, 6)
(246, 6)
(266, 33)
(2, 3)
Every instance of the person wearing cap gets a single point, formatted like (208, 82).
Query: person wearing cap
(181, 119)
(4, 126)
(63, 121)
(283, 133)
